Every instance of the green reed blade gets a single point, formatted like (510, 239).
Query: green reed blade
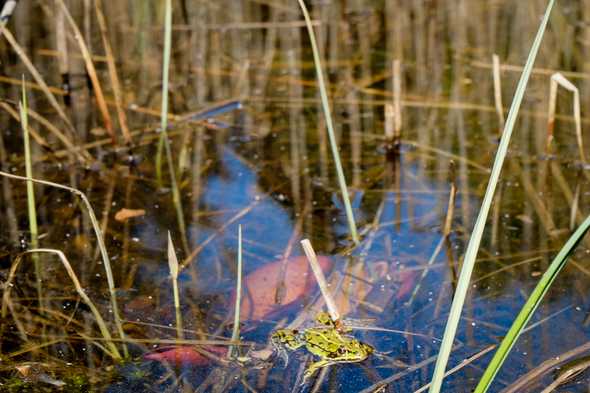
(164, 143)
(475, 240)
(329, 124)
(235, 336)
(530, 306)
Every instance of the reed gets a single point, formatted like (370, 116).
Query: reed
(557, 80)
(38, 78)
(235, 336)
(99, 238)
(530, 306)
(114, 76)
(31, 205)
(329, 124)
(476, 235)
(498, 90)
(397, 101)
(100, 100)
(112, 351)
(164, 143)
(173, 267)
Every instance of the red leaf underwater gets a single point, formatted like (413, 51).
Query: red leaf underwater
(260, 287)
(185, 355)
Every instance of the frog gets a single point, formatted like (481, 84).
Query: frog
(328, 341)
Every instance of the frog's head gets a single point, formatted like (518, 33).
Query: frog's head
(366, 348)
(360, 348)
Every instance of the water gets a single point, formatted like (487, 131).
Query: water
(266, 166)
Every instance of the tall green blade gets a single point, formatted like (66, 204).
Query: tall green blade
(475, 240)
(530, 306)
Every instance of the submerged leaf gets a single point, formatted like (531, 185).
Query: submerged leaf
(259, 289)
(185, 355)
(125, 214)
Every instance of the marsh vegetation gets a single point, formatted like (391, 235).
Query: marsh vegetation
(139, 263)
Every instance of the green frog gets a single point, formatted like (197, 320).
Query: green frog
(328, 341)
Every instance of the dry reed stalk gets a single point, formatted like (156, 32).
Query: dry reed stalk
(100, 100)
(389, 122)
(321, 280)
(397, 101)
(112, 72)
(498, 91)
(557, 80)
(99, 238)
(61, 45)
(452, 196)
(574, 208)
(38, 78)
(113, 351)
(83, 155)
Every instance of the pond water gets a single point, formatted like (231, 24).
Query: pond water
(256, 155)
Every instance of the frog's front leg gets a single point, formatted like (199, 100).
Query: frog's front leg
(285, 338)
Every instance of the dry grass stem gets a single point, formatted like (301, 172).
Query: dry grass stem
(99, 320)
(100, 100)
(38, 78)
(114, 76)
(498, 91)
(99, 238)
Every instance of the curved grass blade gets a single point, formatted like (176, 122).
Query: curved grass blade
(329, 124)
(475, 240)
(530, 306)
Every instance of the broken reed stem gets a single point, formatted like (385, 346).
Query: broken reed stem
(452, 196)
(498, 91)
(575, 205)
(112, 72)
(99, 238)
(173, 266)
(557, 80)
(113, 351)
(397, 101)
(235, 336)
(321, 280)
(100, 100)
(31, 206)
(389, 122)
(329, 124)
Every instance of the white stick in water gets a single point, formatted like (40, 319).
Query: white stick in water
(319, 276)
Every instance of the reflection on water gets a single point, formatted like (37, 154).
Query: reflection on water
(265, 165)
